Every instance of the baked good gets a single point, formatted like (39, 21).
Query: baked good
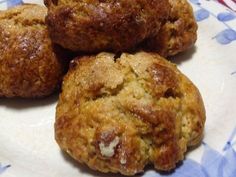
(179, 32)
(95, 26)
(118, 114)
(30, 65)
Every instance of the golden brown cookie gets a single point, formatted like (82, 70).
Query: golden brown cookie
(30, 64)
(179, 32)
(107, 25)
(120, 114)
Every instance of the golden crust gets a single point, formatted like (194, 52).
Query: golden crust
(118, 115)
(95, 26)
(179, 32)
(30, 65)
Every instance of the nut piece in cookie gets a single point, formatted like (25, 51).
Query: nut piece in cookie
(118, 115)
(179, 32)
(95, 26)
(30, 65)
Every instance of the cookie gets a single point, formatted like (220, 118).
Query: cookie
(177, 34)
(118, 114)
(95, 26)
(30, 65)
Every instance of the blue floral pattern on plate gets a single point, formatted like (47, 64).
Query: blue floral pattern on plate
(3, 168)
(201, 14)
(13, 3)
(224, 37)
(10, 3)
(226, 16)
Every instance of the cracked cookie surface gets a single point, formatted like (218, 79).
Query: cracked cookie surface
(120, 114)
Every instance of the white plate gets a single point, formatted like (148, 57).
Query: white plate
(28, 148)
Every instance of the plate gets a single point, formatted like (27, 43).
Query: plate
(28, 148)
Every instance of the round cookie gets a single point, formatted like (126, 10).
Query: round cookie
(95, 26)
(179, 32)
(120, 114)
(30, 65)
